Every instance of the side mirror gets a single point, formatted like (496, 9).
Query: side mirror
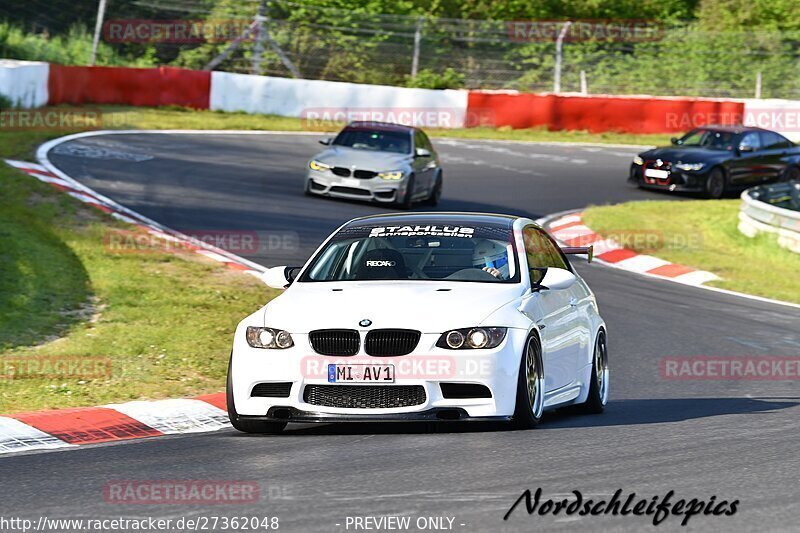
(326, 141)
(280, 277)
(556, 279)
(746, 148)
(422, 152)
(675, 140)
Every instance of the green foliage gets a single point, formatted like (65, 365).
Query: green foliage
(428, 79)
(72, 48)
(5, 102)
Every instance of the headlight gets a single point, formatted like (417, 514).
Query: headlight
(690, 166)
(472, 338)
(272, 338)
(638, 160)
(316, 165)
(391, 175)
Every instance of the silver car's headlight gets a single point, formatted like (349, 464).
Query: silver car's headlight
(638, 160)
(316, 165)
(271, 338)
(391, 175)
(472, 338)
(690, 166)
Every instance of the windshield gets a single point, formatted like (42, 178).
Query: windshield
(398, 142)
(711, 139)
(436, 252)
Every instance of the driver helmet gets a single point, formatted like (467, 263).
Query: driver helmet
(491, 254)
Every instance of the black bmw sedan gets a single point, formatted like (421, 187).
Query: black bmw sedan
(717, 159)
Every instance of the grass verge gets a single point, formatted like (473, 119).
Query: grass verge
(162, 322)
(118, 117)
(703, 234)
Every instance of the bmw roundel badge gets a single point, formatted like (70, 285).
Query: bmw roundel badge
(365, 323)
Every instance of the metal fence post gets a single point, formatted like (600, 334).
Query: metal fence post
(417, 40)
(584, 85)
(101, 13)
(258, 46)
(758, 84)
(559, 53)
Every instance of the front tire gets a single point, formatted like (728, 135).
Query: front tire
(408, 199)
(598, 390)
(247, 426)
(436, 192)
(530, 386)
(715, 184)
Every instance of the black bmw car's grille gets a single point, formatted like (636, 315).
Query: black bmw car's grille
(335, 341)
(272, 390)
(364, 174)
(341, 171)
(391, 342)
(364, 396)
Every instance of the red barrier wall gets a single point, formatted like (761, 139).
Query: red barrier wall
(150, 87)
(598, 113)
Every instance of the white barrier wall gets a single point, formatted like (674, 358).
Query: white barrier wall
(326, 101)
(24, 82)
(774, 114)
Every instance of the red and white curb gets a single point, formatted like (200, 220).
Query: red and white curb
(571, 231)
(66, 428)
(61, 181)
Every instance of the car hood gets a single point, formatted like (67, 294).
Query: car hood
(687, 154)
(428, 306)
(362, 159)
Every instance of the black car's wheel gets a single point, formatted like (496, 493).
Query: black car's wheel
(436, 192)
(247, 426)
(408, 199)
(791, 173)
(715, 184)
(598, 390)
(530, 386)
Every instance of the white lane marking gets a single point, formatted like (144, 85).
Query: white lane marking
(642, 263)
(513, 153)
(175, 416)
(698, 277)
(18, 437)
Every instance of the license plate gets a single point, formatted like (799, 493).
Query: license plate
(350, 182)
(655, 173)
(360, 373)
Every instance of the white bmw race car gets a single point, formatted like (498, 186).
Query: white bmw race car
(423, 316)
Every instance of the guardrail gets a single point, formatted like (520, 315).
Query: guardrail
(773, 209)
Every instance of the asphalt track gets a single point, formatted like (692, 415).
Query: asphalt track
(729, 439)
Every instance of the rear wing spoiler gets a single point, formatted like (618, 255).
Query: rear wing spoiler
(588, 251)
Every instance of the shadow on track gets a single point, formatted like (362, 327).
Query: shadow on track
(618, 413)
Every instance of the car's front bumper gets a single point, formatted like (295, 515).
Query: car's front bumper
(675, 181)
(292, 414)
(325, 183)
(428, 367)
